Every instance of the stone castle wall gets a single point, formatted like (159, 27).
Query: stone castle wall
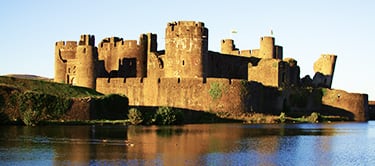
(212, 94)
(354, 104)
(187, 75)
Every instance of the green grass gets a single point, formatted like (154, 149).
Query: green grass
(33, 101)
(51, 88)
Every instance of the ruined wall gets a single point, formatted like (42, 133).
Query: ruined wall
(186, 48)
(124, 58)
(155, 65)
(155, 59)
(228, 47)
(324, 68)
(227, 66)
(266, 72)
(64, 51)
(292, 77)
(278, 52)
(353, 104)
(274, 72)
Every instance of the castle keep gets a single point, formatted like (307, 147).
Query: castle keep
(187, 75)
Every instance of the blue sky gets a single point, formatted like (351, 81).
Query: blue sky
(305, 29)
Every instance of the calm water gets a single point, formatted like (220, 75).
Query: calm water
(208, 144)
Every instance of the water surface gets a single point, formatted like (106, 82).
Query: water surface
(203, 144)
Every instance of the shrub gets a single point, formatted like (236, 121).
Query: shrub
(168, 116)
(135, 116)
(112, 106)
(34, 107)
(215, 90)
(282, 117)
(313, 118)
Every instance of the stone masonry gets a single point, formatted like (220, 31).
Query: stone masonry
(187, 75)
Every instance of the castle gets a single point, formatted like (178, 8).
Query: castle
(187, 75)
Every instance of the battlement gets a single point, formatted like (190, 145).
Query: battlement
(67, 44)
(165, 80)
(114, 42)
(184, 29)
(186, 23)
(88, 40)
(110, 41)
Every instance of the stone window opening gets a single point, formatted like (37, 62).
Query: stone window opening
(161, 64)
(183, 62)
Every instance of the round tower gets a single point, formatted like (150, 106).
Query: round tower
(267, 47)
(186, 49)
(87, 58)
(64, 52)
(227, 46)
(60, 65)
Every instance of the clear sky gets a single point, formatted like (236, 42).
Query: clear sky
(306, 29)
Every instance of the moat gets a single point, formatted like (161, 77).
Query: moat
(199, 144)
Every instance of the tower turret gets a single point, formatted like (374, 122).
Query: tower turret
(186, 49)
(64, 51)
(228, 47)
(267, 47)
(87, 58)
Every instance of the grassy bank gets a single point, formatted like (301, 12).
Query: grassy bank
(31, 101)
(46, 87)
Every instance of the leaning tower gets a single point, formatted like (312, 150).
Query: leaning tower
(324, 68)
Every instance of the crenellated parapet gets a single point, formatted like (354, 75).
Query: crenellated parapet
(86, 39)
